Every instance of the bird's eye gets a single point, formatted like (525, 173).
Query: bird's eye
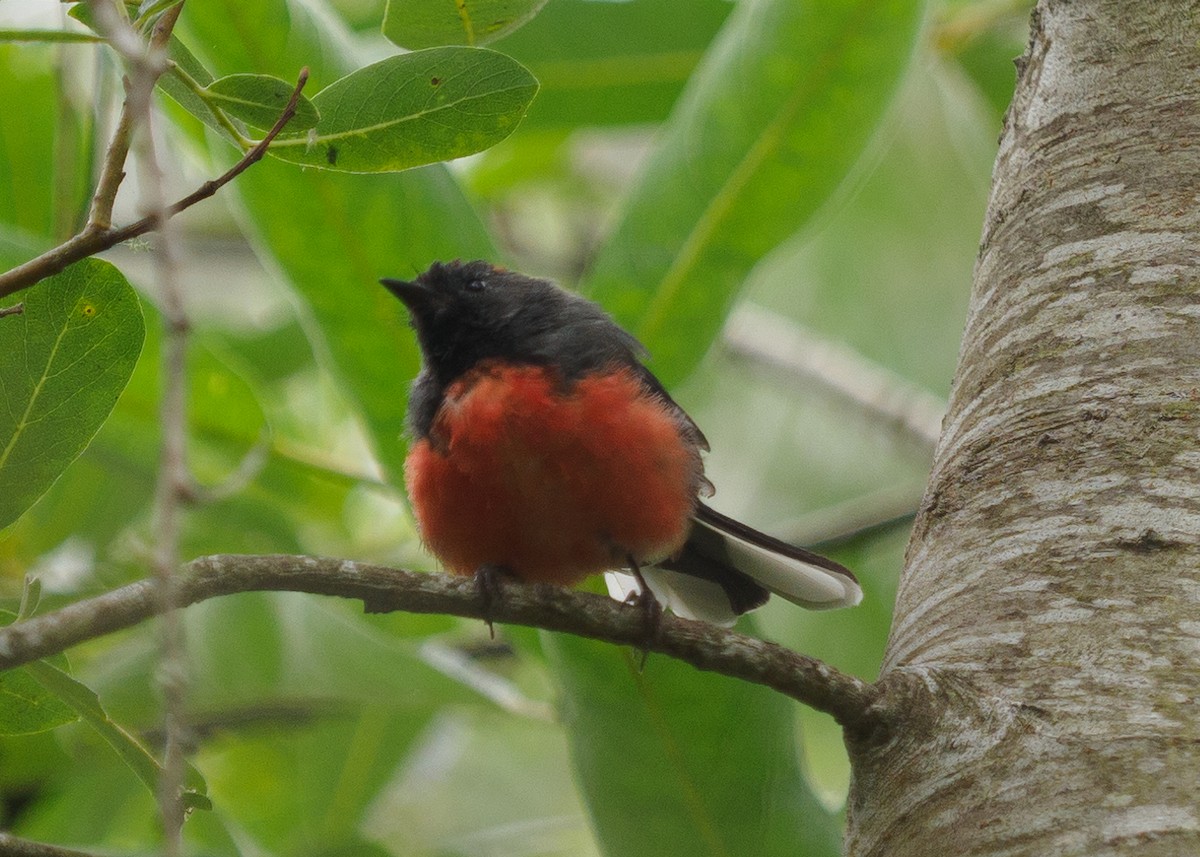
(476, 285)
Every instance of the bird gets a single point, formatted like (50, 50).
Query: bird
(543, 449)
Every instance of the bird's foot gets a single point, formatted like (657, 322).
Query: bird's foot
(488, 581)
(652, 611)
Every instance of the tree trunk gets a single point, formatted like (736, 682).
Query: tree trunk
(1040, 687)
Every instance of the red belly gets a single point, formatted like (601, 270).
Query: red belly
(552, 484)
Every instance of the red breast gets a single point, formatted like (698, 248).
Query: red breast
(552, 482)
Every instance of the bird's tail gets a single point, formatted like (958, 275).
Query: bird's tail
(727, 568)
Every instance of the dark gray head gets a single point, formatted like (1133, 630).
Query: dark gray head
(465, 312)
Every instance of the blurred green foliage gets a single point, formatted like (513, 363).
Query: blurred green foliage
(828, 161)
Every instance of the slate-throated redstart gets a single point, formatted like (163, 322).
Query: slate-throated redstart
(544, 449)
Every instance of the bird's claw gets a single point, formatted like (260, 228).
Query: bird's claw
(487, 581)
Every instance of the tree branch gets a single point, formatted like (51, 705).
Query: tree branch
(848, 699)
(92, 240)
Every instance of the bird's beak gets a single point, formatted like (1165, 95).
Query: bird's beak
(414, 294)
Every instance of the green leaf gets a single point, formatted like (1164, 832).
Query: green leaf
(174, 84)
(63, 363)
(86, 704)
(259, 99)
(612, 63)
(26, 707)
(668, 754)
(428, 23)
(768, 127)
(414, 109)
(148, 12)
(108, 488)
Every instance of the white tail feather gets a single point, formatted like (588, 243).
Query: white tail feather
(725, 566)
(685, 596)
(799, 582)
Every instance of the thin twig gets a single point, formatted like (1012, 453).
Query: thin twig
(112, 24)
(92, 241)
(772, 340)
(248, 160)
(14, 846)
(112, 173)
(15, 309)
(173, 483)
(146, 60)
(857, 518)
(458, 665)
(848, 699)
(48, 36)
(219, 115)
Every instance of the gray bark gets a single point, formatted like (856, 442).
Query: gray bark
(1039, 694)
